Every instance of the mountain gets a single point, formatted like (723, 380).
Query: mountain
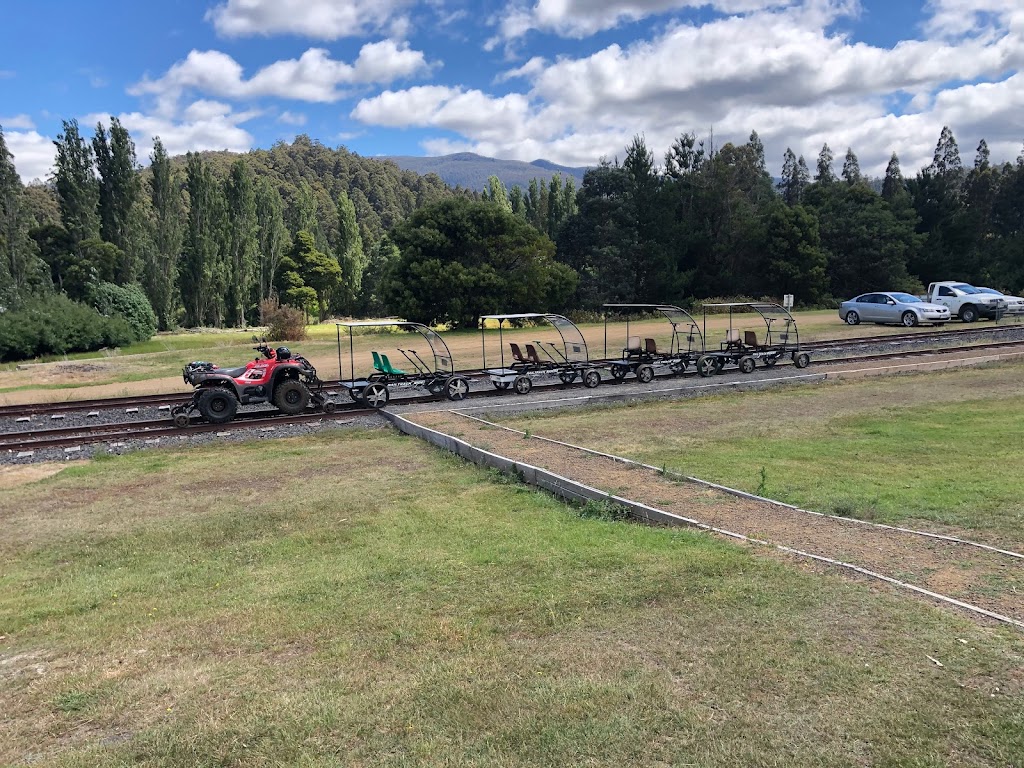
(471, 171)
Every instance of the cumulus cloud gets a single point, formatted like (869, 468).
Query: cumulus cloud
(22, 122)
(313, 77)
(291, 118)
(781, 72)
(317, 19)
(33, 154)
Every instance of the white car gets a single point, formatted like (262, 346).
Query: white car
(1014, 304)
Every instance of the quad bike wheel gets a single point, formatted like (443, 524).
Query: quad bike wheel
(747, 364)
(591, 379)
(291, 397)
(645, 373)
(376, 395)
(457, 388)
(218, 406)
(522, 385)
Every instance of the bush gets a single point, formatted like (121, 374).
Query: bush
(128, 302)
(283, 323)
(56, 325)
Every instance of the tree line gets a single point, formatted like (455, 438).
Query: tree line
(209, 236)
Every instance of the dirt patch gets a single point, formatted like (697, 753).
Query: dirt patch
(986, 579)
(14, 475)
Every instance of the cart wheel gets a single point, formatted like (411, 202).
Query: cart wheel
(436, 386)
(329, 406)
(376, 395)
(719, 364)
(644, 373)
(522, 385)
(457, 388)
(500, 384)
(181, 420)
(770, 361)
(747, 364)
(567, 377)
(706, 366)
(801, 360)
(679, 367)
(619, 372)
(591, 379)
(356, 393)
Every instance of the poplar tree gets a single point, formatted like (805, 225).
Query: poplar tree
(555, 202)
(160, 274)
(119, 185)
(497, 193)
(271, 233)
(350, 255)
(77, 190)
(202, 269)
(20, 266)
(241, 240)
(825, 174)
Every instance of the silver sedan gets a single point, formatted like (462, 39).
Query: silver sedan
(893, 308)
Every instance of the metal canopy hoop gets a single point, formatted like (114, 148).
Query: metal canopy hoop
(443, 364)
(781, 338)
(574, 346)
(678, 317)
(769, 312)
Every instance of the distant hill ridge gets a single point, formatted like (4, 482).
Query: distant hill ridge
(471, 171)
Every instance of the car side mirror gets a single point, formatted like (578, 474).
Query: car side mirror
(890, 301)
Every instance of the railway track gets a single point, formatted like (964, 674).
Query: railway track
(85, 434)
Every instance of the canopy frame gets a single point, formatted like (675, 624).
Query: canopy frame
(676, 316)
(442, 357)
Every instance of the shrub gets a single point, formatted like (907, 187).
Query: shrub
(128, 302)
(56, 325)
(283, 323)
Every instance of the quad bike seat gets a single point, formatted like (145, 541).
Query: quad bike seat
(232, 372)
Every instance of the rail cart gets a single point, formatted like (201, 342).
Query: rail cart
(642, 356)
(434, 372)
(526, 363)
(743, 347)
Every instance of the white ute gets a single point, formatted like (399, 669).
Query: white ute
(965, 301)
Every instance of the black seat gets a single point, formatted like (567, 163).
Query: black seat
(234, 373)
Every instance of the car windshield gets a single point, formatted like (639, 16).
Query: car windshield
(967, 288)
(992, 290)
(905, 298)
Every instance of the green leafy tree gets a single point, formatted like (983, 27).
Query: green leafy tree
(794, 178)
(242, 243)
(21, 270)
(77, 188)
(497, 193)
(308, 278)
(128, 302)
(893, 186)
(825, 174)
(202, 274)
(851, 168)
(119, 184)
(350, 254)
(461, 259)
(271, 233)
(382, 261)
(160, 272)
(795, 262)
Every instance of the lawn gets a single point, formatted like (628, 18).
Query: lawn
(358, 598)
(944, 449)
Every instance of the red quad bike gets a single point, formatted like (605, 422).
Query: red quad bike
(279, 377)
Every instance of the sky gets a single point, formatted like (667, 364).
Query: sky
(569, 81)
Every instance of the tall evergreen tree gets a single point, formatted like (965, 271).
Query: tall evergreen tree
(241, 239)
(851, 168)
(119, 184)
(946, 161)
(517, 200)
(757, 147)
(160, 274)
(77, 189)
(271, 233)
(983, 156)
(203, 273)
(20, 266)
(350, 254)
(497, 193)
(555, 211)
(305, 215)
(825, 174)
(536, 211)
(794, 179)
(893, 186)
(686, 156)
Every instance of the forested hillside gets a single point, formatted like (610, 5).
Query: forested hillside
(207, 238)
(472, 171)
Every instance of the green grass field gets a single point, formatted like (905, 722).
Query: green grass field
(943, 448)
(358, 598)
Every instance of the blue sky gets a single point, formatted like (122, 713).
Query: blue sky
(565, 80)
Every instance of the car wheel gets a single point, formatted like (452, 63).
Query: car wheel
(852, 318)
(968, 314)
(645, 373)
(218, 406)
(909, 319)
(291, 397)
(619, 372)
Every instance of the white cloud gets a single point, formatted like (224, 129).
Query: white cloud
(317, 19)
(15, 122)
(6, 74)
(954, 18)
(780, 72)
(291, 118)
(313, 77)
(33, 154)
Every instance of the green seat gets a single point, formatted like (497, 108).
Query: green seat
(377, 364)
(389, 369)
